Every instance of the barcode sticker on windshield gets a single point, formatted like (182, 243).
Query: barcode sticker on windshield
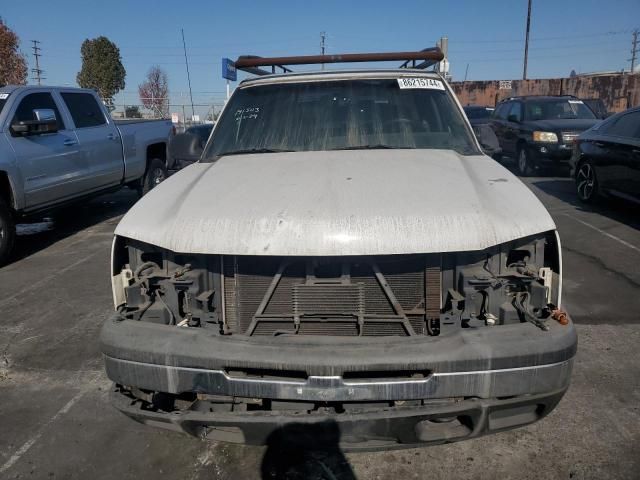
(577, 101)
(4, 96)
(430, 83)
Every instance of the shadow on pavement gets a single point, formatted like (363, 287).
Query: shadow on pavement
(41, 232)
(564, 189)
(306, 451)
(614, 208)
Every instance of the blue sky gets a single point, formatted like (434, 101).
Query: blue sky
(487, 35)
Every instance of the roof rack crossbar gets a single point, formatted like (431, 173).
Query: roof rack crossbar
(250, 63)
(427, 63)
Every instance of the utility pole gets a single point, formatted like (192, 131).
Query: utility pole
(634, 49)
(323, 36)
(186, 62)
(37, 72)
(526, 42)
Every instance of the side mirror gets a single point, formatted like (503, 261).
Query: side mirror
(186, 147)
(513, 118)
(45, 122)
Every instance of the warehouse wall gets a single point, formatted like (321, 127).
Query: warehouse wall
(618, 91)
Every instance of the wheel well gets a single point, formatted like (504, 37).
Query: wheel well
(521, 144)
(157, 150)
(6, 194)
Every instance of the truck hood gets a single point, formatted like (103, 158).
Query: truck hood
(363, 202)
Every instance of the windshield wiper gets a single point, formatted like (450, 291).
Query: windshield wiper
(253, 150)
(378, 146)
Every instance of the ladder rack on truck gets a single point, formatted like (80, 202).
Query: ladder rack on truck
(252, 63)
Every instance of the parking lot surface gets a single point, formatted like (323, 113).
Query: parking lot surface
(56, 422)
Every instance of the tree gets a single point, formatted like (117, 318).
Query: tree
(13, 65)
(154, 92)
(102, 68)
(132, 111)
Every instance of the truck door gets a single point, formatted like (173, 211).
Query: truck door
(99, 139)
(51, 164)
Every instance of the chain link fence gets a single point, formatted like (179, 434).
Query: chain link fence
(183, 115)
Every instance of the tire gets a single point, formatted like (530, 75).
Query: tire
(155, 174)
(7, 232)
(586, 182)
(525, 168)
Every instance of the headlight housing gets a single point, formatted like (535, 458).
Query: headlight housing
(546, 137)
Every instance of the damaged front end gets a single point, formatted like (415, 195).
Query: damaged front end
(396, 349)
(395, 295)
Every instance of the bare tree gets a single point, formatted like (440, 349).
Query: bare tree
(154, 92)
(13, 66)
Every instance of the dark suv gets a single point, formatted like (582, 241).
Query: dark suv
(539, 131)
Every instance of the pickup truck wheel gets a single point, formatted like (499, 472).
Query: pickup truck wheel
(156, 173)
(7, 232)
(524, 162)
(586, 182)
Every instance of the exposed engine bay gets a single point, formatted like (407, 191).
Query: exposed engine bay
(392, 295)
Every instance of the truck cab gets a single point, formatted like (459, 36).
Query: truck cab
(60, 145)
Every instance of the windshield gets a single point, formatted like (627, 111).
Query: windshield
(558, 109)
(337, 115)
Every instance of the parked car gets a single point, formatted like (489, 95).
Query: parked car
(478, 114)
(597, 106)
(343, 256)
(59, 145)
(186, 148)
(539, 131)
(606, 158)
(480, 119)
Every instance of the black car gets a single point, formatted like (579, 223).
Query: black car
(479, 118)
(478, 114)
(186, 148)
(597, 106)
(606, 158)
(539, 131)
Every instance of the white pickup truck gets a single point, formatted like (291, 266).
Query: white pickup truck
(342, 266)
(59, 145)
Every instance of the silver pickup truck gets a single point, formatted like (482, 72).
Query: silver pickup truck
(343, 264)
(59, 145)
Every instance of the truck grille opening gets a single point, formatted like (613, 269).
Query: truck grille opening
(347, 296)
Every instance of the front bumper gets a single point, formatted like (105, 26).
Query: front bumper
(551, 154)
(478, 380)
(382, 429)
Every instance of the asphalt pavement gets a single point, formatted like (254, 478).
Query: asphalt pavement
(56, 422)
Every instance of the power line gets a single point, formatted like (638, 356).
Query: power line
(37, 72)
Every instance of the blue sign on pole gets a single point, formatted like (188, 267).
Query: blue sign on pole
(229, 69)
